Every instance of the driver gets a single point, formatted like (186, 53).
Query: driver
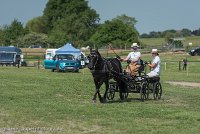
(134, 59)
(155, 64)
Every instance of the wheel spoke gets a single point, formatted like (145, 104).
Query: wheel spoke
(143, 91)
(157, 91)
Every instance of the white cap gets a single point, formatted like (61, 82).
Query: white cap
(154, 51)
(134, 45)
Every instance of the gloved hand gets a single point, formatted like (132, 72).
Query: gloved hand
(128, 61)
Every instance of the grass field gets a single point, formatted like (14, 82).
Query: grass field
(195, 40)
(40, 101)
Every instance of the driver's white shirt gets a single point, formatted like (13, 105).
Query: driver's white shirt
(133, 56)
(156, 61)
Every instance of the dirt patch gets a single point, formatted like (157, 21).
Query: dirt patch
(188, 84)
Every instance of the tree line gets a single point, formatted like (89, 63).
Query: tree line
(70, 21)
(171, 33)
(75, 22)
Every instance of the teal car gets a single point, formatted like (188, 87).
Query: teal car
(62, 62)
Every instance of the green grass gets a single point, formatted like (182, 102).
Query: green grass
(153, 41)
(160, 41)
(38, 98)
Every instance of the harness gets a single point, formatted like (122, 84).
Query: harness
(103, 67)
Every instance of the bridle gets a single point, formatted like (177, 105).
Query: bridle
(93, 54)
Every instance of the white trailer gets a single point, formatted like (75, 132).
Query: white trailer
(50, 53)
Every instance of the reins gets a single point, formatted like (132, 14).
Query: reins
(114, 52)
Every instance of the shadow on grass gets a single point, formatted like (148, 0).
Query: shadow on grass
(125, 100)
(131, 100)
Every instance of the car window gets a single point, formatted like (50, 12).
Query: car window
(196, 48)
(66, 57)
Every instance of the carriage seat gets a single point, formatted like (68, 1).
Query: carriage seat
(141, 68)
(153, 79)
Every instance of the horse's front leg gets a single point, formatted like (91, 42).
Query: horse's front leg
(96, 91)
(97, 85)
(106, 91)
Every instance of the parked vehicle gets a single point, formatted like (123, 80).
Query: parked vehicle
(83, 60)
(10, 55)
(50, 53)
(195, 51)
(35, 46)
(62, 62)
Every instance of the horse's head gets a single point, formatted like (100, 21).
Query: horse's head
(93, 58)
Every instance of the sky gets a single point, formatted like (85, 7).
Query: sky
(152, 15)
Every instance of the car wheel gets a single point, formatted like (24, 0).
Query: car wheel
(195, 53)
(77, 70)
(57, 68)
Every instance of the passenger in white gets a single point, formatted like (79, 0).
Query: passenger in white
(155, 64)
(134, 58)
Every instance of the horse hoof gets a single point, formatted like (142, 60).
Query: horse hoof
(103, 100)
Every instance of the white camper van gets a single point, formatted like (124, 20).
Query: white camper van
(50, 53)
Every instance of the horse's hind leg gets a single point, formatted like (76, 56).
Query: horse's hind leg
(99, 95)
(95, 96)
(122, 89)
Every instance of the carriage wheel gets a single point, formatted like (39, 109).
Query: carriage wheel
(111, 94)
(57, 68)
(111, 91)
(157, 92)
(144, 91)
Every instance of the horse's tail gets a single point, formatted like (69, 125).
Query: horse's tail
(121, 81)
(123, 86)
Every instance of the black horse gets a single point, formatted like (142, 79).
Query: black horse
(102, 71)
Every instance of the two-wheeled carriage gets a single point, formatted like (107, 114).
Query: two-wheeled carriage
(141, 84)
(103, 70)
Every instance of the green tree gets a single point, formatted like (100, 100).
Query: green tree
(115, 32)
(168, 36)
(1, 36)
(186, 32)
(33, 39)
(12, 32)
(196, 32)
(131, 21)
(72, 19)
(154, 34)
(172, 31)
(37, 25)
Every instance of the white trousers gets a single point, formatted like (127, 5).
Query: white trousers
(152, 74)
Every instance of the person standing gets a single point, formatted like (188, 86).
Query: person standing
(18, 59)
(134, 59)
(155, 64)
(184, 64)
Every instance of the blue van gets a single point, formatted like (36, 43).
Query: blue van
(62, 62)
(9, 55)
